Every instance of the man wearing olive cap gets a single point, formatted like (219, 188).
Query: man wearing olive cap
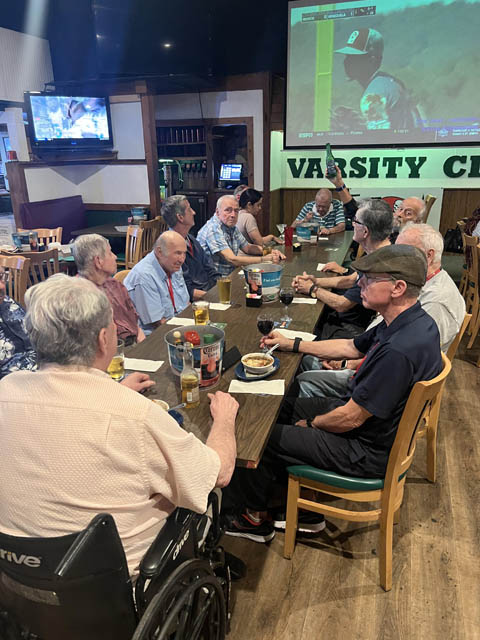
(385, 103)
(353, 435)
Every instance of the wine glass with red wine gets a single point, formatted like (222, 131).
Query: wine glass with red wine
(265, 323)
(286, 298)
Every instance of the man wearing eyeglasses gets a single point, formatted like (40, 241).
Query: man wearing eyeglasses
(16, 351)
(352, 435)
(372, 225)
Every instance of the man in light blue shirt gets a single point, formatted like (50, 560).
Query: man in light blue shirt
(156, 285)
(222, 241)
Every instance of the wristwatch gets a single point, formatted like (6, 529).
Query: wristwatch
(310, 423)
(313, 291)
(296, 344)
(343, 364)
(344, 186)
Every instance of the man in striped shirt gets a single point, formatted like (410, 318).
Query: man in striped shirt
(323, 211)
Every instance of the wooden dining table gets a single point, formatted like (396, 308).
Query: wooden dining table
(257, 413)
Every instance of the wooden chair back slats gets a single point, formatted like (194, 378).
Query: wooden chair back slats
(16, 285)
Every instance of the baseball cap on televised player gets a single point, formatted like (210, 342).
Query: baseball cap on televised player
(362, 41)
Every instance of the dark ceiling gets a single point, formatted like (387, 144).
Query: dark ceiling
(243, 37)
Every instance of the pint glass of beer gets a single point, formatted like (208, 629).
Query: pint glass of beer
(201, 312)
(224, 285)
(116, 368)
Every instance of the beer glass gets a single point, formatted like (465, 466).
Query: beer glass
(224, 285)
(116, 368)
(201, 311)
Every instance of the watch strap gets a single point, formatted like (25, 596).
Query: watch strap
(309, 422)
(313, 290)
(296, 343)
(344, 186)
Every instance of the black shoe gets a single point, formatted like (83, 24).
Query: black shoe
(308, 522)
(241, 526)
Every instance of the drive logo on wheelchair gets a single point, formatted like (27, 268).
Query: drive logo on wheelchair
(11, 556)
(179, 546)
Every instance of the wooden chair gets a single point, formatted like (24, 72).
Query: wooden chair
(430, 423)
(429, 202)
(472, 293)
(43, 264)
(474, 296)
(389, 490)
(463, 280)
(121, 275)
(45, 236)
(151, 230)
(16, 284)
(133, 248)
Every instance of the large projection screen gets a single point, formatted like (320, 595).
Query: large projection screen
(390, 72)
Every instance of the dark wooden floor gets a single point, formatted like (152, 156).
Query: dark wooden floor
(326, 594)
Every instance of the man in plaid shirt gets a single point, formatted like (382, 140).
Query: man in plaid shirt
(221, 240)
(325, 212)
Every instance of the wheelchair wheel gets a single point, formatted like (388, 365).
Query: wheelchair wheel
(189, 606)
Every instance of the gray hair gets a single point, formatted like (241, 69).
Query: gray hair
(172, 207)
(378, 218)
(86, 248)
(222, 198)
(324, 192)
(64, 317)
(428, 237)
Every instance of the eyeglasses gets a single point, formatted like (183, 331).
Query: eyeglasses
(3, 276)
(368, 280)
(357, 221)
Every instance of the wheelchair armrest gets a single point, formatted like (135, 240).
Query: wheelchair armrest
(163, 547)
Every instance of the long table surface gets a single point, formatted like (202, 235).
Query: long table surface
(107, 230)
(257, 414)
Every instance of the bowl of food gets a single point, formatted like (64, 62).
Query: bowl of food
(161, 403)
(257, 363)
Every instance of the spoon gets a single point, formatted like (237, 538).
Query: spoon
(272, 349)
(178, 406)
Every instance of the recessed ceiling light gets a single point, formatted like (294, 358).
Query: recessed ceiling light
(167, 45)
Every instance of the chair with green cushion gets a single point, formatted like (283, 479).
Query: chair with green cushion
(423, 399)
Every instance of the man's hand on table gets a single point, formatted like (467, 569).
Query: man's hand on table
(277, 256)
(336, 268)
(223, 406)
(275, 337)
(323, 231)
(305, 280)
(138, 381)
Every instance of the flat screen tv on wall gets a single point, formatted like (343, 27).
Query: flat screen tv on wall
(68, 122)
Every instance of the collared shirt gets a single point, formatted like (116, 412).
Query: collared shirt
(16, 351)
(148, 287)
(125, 316)
(214, 237)
(335, 215)
(75, 443)
(199, 271)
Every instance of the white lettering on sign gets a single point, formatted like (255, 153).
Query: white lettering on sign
(11, 556)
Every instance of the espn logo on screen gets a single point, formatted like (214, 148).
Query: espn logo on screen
(29, 561)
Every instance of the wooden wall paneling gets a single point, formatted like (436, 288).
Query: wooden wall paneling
(276, 210)
(18, 188)
(151, 152)
(457, 204)
(265, 223)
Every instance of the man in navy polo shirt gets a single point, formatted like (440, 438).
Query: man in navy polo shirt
(351, 435)
(199, 272)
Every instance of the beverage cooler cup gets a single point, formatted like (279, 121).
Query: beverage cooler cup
(288, 236)
(207, 359)
(137, 214)
(304, 232)
(271, 278)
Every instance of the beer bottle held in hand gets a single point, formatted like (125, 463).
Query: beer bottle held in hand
(330, 162)
(189, 379)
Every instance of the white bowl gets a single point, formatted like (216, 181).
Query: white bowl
(161, 403)
(257, 370)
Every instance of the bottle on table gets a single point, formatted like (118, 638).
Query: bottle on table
(189, 379)
(330, 162)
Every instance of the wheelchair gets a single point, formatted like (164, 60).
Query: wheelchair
(77, 587)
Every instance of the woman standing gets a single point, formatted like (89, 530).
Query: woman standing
(250, 208)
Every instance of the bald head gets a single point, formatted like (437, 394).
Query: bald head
(410, 210)
(170, 250)
(323, 201)
(425, 238)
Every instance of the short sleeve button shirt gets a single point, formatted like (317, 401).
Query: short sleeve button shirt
(147, 286)
(214, 237)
